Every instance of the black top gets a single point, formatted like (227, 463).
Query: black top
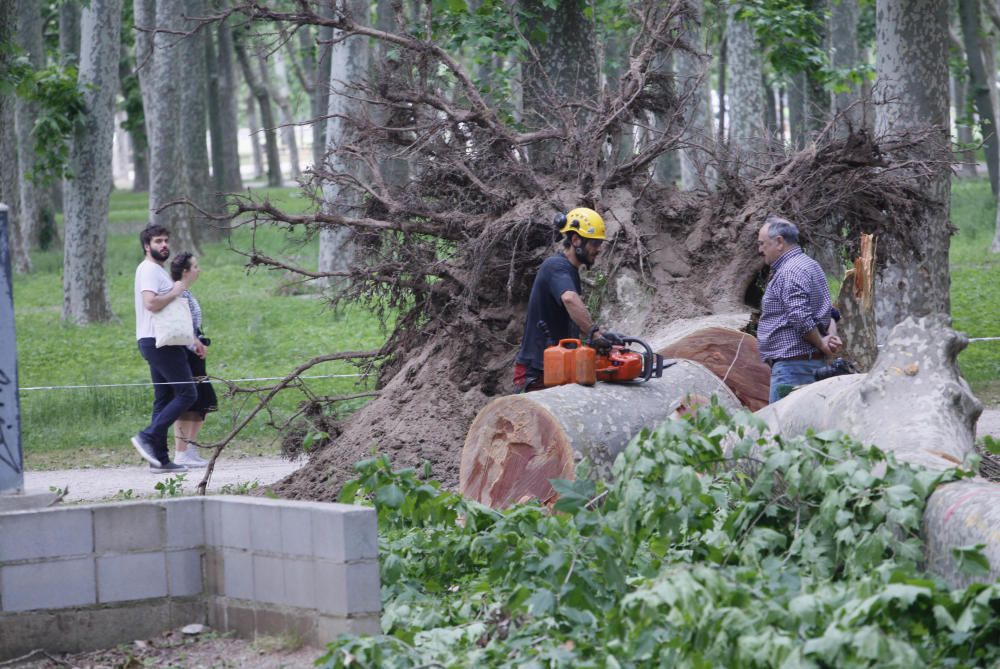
(556, 275)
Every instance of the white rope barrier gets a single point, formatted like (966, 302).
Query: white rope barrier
(279, 378)
(174, 383)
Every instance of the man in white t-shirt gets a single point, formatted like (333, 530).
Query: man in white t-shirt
(173, 389)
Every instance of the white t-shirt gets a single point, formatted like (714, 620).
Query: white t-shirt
(152, 277)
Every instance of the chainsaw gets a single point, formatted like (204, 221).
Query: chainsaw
(574, 361)
(617, 363)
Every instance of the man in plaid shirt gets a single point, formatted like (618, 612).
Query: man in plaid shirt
(793, 333)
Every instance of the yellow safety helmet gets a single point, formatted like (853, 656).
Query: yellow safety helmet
(584, 222)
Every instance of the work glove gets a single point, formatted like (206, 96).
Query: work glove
(613, 338)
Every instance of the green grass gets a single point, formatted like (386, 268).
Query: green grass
(975, 284)
(258, 329)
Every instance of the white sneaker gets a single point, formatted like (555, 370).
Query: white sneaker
(190, 458)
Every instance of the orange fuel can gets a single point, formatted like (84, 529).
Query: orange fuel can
(569, 361)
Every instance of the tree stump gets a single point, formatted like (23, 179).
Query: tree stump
(518, 443)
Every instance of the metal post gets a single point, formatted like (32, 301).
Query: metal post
(11, 457)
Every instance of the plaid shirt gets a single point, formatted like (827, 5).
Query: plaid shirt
(797, 300)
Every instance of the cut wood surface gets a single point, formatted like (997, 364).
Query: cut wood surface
(732, 356)
(518, 443)
(915, 404)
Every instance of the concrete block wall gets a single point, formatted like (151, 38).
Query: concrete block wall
(93, 576)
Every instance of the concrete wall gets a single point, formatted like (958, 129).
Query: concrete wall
(87, 577)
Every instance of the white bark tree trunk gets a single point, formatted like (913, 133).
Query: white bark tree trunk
(162, 98)
(280, 92)
(912, 71)
(9, 186)
(844, 53)
(192, 148)
(692, 73)
(231, 179)
(746, 96)
(29, 38)
(349, 61)
(85, 293)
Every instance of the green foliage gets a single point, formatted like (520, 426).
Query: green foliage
(685, 560)
(60, 108)
(170, 487)
(791, 33)
(240, 487)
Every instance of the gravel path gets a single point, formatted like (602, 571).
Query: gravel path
(106, 482)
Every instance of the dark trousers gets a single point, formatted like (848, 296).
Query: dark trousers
(173, 393)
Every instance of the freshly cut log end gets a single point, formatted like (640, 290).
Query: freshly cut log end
(516, 448)
(732, 356)
(518, 443)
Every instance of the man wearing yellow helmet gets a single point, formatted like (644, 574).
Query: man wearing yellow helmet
(555, 309)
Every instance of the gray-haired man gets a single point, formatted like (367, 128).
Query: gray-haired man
(793, 333)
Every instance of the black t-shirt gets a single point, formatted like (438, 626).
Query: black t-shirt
(556, 275)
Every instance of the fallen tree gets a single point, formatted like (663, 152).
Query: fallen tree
(915, 404)
(447, 255)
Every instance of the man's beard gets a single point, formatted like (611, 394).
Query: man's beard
(583, 256)
(160, 255)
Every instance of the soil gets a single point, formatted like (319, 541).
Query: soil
(174, 649)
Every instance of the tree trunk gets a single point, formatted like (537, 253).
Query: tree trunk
(518, 443)
(320, 99)
(916, 83)
(231, 179)
(214, 104)
(971, 29)
(817, 109)
(85, 293)
(29, 38)
(349, 62)
(746, 99)
(797, 109)
(160, 78)
(259, 92)
(566, 67)
(253, 126)
(279, 91)
(692, 74)
(69, 31)
(959, 88)
(722, 121)
(193, 130)
(995, 247)
(9, 186)
(914, 404)
(844, 54)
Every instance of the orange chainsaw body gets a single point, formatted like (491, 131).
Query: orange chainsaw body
(619, 365)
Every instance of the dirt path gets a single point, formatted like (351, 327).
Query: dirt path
(230, 475)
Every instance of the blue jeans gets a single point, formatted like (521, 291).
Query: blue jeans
(786, 374)
(166, 365)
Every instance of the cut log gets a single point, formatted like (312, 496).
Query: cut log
(518, 443)
(964, 513)
(732, 356)
(915, 404)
